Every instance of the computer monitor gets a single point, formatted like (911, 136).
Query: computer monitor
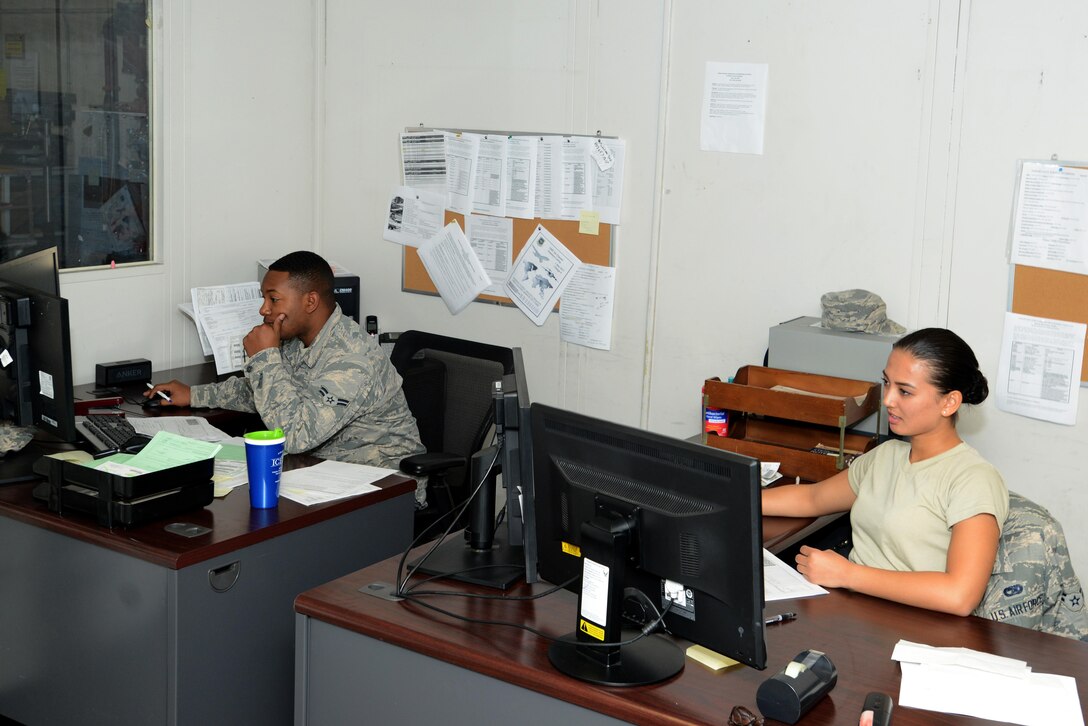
(633, 512)
(512, 421)
(37, 270)
(36, 382)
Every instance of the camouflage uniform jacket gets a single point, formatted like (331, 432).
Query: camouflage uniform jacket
(338, 399)
(1033, 584)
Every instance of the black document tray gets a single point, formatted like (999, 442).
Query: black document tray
(128, 500)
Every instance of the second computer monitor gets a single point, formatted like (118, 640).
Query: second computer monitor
(681, 522)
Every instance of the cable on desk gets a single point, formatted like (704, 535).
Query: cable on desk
(456, 515)
(643, 632)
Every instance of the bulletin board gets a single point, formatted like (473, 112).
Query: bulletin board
(1055, 294)
(589, 248)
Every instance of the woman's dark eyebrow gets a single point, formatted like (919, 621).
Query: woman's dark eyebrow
(901, 384)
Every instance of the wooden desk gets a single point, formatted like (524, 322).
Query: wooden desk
(357, 655)
(142, 626)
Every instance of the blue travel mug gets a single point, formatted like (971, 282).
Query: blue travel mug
(264, 463)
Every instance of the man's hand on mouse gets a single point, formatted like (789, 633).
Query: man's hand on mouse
(176, 390)
(265, 335)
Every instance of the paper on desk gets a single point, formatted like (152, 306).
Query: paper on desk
(329, 481)
(782, 582)
(959, 680)
(194, 427)
(167, 450)
(230, 468)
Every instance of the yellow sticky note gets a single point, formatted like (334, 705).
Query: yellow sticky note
(712, 660)
(589, 222)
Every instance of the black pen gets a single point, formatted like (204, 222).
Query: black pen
(780, 618)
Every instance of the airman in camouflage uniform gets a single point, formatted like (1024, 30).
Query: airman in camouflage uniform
(1033, 584)
(328, 384)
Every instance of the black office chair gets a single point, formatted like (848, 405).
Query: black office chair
(448, 384)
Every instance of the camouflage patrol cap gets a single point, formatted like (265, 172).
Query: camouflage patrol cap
(858, 311)
(13, 438)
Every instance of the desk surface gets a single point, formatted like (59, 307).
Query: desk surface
(856, 631)
(232, 522)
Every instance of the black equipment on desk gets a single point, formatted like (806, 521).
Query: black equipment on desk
(110, 433)
(792, 692)
(127, 500)
(678, 521)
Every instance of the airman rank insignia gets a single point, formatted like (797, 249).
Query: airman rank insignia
(331, 399)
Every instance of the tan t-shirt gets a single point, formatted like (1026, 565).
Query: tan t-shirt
(903, 516)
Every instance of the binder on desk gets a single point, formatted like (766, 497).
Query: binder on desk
(127, 500)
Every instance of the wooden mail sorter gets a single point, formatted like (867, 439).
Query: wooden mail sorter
(797, 419)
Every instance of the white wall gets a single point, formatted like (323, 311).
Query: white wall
(891, 138)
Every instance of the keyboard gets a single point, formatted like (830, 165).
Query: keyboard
(109, 433)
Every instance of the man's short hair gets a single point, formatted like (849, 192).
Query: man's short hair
(308, 271)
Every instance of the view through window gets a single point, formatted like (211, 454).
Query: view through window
(74, 132)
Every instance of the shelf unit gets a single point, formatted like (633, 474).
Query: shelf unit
(780, 415)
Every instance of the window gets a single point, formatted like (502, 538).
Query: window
(75, 167)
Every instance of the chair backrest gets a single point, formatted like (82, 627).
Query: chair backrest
(467, 408)
(1033, 584)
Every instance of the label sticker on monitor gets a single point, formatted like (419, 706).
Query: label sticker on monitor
(5, 358)
(594, 591)
(682, 598)
(593, 631)
(46, 382)
(570, 549)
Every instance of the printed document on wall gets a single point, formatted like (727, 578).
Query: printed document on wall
(577, 192)
(521, 152)
(489, 195)
(453, 267)
(734, 107)
(585, 312)
(462, 153)
(423, 160)
(414, 216)
(549, 177)
(492, 239)
(541, 272)
(1050, 227)
(608, 182)
(1039, 372)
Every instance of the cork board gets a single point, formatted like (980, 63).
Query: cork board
(591, 249)
(1052, 294)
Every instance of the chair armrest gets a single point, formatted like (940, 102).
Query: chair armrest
(430, 463)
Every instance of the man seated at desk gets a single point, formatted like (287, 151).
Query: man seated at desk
(312, 371)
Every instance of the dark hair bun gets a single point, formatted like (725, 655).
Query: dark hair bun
(979, 390)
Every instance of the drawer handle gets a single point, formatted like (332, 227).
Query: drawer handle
(223, 578)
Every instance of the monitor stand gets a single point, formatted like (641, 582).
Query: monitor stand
(484, 557)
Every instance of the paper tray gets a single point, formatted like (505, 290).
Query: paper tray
(74, 497)
(127, 500)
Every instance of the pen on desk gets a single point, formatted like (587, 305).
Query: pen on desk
(164, 396)
(780, 618)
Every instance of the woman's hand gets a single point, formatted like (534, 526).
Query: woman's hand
(824, 567)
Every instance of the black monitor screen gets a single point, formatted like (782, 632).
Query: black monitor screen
(37, 361)
(51, 366)
(684, 524)
(37, 270)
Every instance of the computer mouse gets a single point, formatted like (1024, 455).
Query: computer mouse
(152, 402)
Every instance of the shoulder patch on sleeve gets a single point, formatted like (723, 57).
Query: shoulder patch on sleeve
(331, 399)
